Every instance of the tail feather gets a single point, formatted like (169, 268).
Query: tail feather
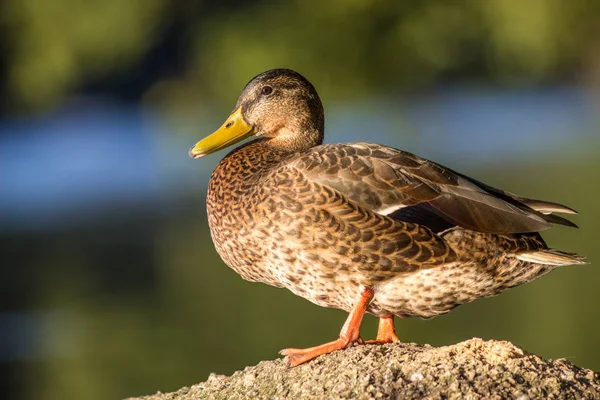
(545, 207)
(551, 257)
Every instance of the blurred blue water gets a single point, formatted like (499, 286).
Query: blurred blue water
(505, 124)
(59, 168)
(23, 335)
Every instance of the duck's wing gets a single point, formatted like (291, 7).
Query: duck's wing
(405, 186)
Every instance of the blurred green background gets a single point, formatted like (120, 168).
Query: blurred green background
(110, 284)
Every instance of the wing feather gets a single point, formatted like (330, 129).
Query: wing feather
(386, 180)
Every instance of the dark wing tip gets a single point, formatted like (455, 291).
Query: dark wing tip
(555, 219)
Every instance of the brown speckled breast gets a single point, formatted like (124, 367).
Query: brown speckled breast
(271, 224)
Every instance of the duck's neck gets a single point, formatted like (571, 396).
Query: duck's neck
(253, 157)
(295, 133)
(290, 143)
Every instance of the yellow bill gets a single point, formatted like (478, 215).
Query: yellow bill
(232, 131)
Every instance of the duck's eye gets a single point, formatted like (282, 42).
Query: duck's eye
(266, 90)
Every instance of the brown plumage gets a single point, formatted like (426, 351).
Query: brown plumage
(359, 226)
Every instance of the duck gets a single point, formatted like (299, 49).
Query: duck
(361, 227)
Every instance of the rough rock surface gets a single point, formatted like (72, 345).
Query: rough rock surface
(468, 370)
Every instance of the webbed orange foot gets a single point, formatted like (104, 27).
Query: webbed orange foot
(349, 334)
(386, 333)
(299, 356)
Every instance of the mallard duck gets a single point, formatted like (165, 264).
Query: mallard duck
(361, 227)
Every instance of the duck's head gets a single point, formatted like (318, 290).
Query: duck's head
(279, 105)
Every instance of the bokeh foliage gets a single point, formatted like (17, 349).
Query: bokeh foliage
(52, 49)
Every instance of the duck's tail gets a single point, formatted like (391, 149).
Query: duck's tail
(551, 257)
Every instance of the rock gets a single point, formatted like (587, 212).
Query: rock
(472, 369)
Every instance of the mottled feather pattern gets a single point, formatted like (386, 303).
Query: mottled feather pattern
(286, 221)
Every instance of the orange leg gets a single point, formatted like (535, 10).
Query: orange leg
(349, 334)
(386, 333)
